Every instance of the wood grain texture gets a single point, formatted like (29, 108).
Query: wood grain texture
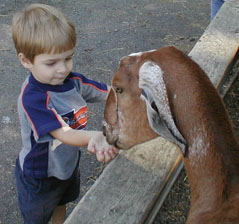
(218, 47)
(129, 185)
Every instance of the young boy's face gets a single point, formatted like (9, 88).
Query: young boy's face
(50, 68)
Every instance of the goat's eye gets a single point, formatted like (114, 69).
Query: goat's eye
(118, 90)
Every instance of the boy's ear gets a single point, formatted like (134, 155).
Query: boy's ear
(24, 61)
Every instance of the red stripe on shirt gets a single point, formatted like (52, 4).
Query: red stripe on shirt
(101, 90)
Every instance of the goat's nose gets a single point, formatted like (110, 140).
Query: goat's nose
(104, 129)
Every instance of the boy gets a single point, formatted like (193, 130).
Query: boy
(53, 113)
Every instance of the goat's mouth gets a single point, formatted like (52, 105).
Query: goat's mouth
(116, 144)
(113, 140)
(110, 137)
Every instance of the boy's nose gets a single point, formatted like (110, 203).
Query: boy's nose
(62, 68)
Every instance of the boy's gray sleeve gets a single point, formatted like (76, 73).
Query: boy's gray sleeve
(91, 91)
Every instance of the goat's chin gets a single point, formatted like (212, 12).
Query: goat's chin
(116, 142)
(122, 146)
(119, 145)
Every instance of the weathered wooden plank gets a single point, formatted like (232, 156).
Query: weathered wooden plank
(138, 180)
(164, 192)
(121, 193)
(217, 49)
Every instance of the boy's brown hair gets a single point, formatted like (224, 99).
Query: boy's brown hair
(42, 29)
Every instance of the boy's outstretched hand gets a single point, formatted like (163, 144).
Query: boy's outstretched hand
(99, 146)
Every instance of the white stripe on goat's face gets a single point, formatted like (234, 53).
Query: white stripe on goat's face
(140, 53)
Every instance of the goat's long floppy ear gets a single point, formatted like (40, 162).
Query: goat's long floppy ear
(154, 93)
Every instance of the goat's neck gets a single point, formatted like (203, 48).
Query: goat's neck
(209, 166)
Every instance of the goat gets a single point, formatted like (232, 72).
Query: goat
(164, 92)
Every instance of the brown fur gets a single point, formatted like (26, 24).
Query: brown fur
(212, 161)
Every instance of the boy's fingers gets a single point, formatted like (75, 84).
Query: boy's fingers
(115, 150)
(100, 156)
(91, 148)
(107, 157)
(112, 154)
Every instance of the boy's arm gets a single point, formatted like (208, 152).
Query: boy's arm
(72, 137)
(94, 139)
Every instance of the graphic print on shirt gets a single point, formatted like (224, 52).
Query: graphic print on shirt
(76, 119)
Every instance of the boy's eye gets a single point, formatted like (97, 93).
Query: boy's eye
(69, 58)
(50, 64)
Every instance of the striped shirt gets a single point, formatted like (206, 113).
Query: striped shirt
(39, 106)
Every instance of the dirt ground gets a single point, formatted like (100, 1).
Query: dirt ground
(107, 30)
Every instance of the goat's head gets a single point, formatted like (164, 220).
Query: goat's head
(137, 107)
(125, 112)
